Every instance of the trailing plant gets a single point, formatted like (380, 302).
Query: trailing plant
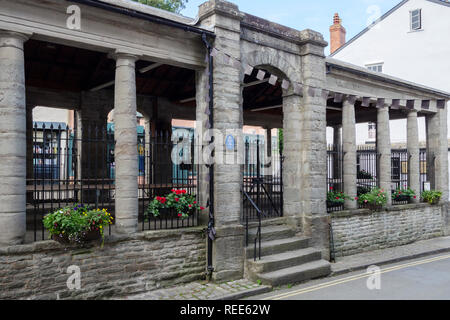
(432, 196)
(376, 197)
(184, 204)
(401, 193)
(74, 223)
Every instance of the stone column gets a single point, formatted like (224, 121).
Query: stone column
(125, 134)
(337, 135)
(384, 152)
(349, 150)
(437, 145)
(228, 247)
(12, 138)
(268, 154)
(313, 144)
(203, 184)
(337, 161)
(414, 151)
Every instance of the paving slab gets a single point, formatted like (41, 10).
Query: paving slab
(202, 290)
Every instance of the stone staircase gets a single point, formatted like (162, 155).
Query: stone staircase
(285, 257)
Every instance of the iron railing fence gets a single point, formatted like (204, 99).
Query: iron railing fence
(60, 175)
(166, 163)
(424, 177)
(262, 182)
(399, 173)
(335, 183)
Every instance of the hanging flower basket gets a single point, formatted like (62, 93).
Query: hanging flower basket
(179, 202)
(83, 237)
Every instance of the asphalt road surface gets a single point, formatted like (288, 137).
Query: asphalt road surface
(419, 279)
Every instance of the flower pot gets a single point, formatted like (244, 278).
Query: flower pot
(402, 198)
(334, 204)
(90, 235)
(434, 201)
(373, 206)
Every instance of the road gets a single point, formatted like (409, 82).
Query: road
(419, 279)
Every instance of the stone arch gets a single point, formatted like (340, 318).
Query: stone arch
(271, 60)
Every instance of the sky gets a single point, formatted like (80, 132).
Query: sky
(307, 14)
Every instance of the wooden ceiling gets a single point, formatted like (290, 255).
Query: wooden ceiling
(59, 67)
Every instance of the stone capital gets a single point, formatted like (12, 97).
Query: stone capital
(120, 54)
(13, 39)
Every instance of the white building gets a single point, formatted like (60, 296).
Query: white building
(411, 41)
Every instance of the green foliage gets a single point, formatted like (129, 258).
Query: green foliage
(336, 197)
(74, 222)
(183, 203)
(376, 197)
(169, 5)
(400, 193)
(432, 196)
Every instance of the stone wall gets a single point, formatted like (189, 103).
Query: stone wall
(356, 231)
(126, 265)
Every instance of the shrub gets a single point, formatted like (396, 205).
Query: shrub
(432, 196)
(183, 203)
(73, 223)
(376, 197)
(401, 193)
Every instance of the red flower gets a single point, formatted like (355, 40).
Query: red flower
(183, 191)
(173, 190)
(415, 197)
(356, 198)
(179, 215)
(177, 199)
(195, 202)
(190, 206)
(202, 208)
(331, 188)
(337, 198)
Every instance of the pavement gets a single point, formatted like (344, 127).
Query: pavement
(202, 290)
(425, 278)
(240, 289)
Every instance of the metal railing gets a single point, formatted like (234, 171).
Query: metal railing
(166, 162)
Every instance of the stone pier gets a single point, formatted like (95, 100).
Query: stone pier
(12, 138)
(126, 156)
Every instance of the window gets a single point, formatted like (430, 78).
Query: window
(416, 19)
(375, 67)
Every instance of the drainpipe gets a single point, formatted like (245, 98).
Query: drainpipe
(210, 231)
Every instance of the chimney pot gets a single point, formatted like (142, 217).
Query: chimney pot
(337, 34)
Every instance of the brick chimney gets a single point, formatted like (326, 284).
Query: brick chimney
(337, 34)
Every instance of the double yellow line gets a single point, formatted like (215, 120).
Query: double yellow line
(353, 278)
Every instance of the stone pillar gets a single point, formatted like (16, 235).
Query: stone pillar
(437, 145)
(12, 138)
(313, 144)
(384, 152)
(349, 150)
(414, 151)
(228, 247)
(126, 144)
(203, 184)
(337, 161)
(337, 135)
(268, 154)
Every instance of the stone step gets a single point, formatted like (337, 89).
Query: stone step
(270, 233)
(283, 260)
(278, 246)
(297, 274)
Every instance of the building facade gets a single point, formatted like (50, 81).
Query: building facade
(224, 70)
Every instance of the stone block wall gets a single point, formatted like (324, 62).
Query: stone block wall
(125, 265)
(357, 231)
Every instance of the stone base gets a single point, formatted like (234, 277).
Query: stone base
(229, 253)
(318, 229)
